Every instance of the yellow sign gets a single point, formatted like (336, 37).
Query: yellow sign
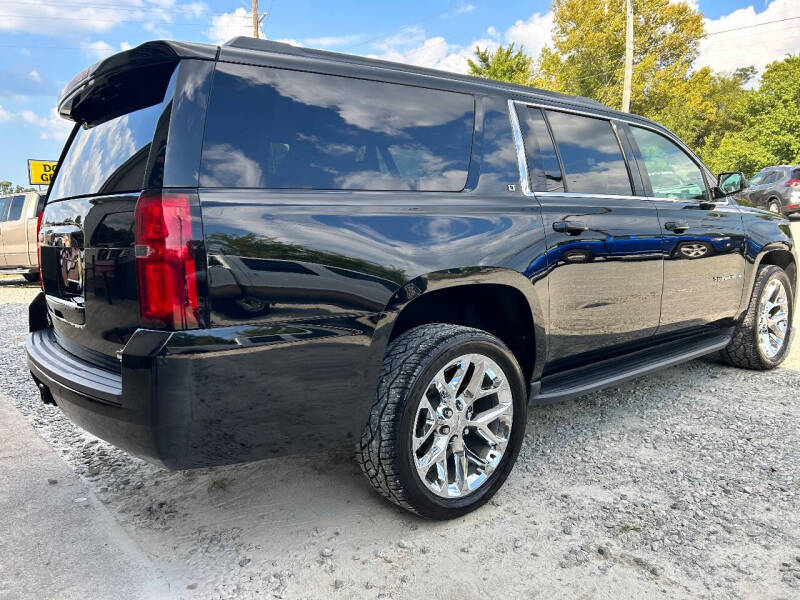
(40, 172)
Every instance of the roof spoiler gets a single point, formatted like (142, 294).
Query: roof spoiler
(81, 98)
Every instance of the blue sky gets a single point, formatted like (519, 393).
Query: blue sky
(44, 43)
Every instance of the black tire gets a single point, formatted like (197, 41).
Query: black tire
(744, 350)
(384, 452)
(777, 204)
(31, 277)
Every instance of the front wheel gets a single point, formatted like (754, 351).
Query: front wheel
(448, 421)
(761, 340)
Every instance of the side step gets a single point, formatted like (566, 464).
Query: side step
(582, 380)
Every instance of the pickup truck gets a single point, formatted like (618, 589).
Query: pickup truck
(18, 216)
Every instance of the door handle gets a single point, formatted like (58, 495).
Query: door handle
(569, 227)
(676, 227)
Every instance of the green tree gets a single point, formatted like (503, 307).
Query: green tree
(6, 187)
(762, 129)
(504, 64)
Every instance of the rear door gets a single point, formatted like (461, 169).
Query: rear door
(87, 255)
(703, 241)
(14, 235)
(4, 202)
(603, 237)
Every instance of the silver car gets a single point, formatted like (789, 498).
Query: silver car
(776, 189)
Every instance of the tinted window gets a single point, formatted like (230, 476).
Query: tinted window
(795, 174)
(3, 206)
(543, 168)
(672, 173)
(273, 128)
(758, 178)
(15, 211)
(773, 177)
(590, 154)
(108, 158)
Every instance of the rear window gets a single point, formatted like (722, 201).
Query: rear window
(108, 158)
(15, 211)
(274, 128)
(543, 168)
(590, 154)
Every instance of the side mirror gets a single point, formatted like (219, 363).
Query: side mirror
(730, 183)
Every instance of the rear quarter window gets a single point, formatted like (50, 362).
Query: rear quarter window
(274, 128)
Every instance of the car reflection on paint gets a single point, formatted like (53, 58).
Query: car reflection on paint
(247, 286)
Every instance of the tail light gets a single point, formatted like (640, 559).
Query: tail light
(166, 260)
(39, 247)
(793, 183)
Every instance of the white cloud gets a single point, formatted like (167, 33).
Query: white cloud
(125, 45)
(333, 40)
(757, 46)
(230, 25)
(35, 76)
(52, 127)
(5, 115)
(46, 17)
(459, 10)
(98, 49)
(291, 42)
(409, 45)
(534, 33)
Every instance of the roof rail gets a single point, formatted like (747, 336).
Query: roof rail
(269, 46)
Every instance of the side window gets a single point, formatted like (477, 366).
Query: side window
(3, 207)
(543, 168)
(590, 154)
(672, 173)
(772, 177)
(275, 128)
(15, 211)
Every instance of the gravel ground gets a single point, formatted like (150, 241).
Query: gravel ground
(685, 483)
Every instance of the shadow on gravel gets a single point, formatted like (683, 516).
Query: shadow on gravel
(8, 281)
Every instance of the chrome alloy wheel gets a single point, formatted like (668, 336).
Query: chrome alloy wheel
(773, 319)
(462, 426)
(694, 250)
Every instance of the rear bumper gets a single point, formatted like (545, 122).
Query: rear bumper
(218, 396)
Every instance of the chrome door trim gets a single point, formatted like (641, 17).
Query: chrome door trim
(522, 160)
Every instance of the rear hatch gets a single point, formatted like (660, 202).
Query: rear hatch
(118, 153)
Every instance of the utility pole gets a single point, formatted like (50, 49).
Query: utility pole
(257, 18)
(626, 89)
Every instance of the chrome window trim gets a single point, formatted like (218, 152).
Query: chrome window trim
(523, 161)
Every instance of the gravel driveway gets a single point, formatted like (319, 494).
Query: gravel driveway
(683, 483)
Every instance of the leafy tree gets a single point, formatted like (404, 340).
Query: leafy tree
(762, 129)
(587, 52)
(6, 187)
(504, 64)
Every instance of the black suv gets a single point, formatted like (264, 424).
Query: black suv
(254, 250)
(776, 189)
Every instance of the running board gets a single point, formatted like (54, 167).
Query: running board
(583, 380)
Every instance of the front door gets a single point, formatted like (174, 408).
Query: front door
(703, 241)
(603, 240)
